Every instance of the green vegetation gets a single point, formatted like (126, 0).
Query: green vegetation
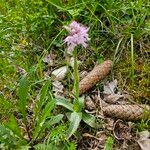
(30, 115)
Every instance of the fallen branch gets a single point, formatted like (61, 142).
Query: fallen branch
(93, 77)
(127, 112)
(124, 112)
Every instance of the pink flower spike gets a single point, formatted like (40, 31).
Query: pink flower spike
(78, 35)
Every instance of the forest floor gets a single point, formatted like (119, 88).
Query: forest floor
(32, 52)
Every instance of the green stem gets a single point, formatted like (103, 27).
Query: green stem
(76, 75)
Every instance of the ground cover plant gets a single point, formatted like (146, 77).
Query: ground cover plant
(40, 103)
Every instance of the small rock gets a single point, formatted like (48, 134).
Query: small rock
(60, 73)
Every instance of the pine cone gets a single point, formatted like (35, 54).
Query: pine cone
(127, 112)
(98, 73)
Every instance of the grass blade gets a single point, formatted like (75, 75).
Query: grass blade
(109, 144)
(45, 113)
(56, 4)
(23, 94)
(132, 60)
(43, 94)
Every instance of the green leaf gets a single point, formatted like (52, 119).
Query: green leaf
(65, 103)
(14, 126)
(26, 147)
(100, 58)
(90, 120)
(45, 147)
(43, 94)
(109, 144)
(42, 99)
(68, 115)
(5, 106)
(54, 119)
(81, 103)
(74, 122)
(45, 113)
(6, 137)
(23, 94)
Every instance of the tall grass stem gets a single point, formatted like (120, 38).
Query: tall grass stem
(132, 60)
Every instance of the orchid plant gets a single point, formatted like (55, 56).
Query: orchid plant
(78, 35)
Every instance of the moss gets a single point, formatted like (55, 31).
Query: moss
(140, 88)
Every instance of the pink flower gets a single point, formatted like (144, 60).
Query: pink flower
(78, 35)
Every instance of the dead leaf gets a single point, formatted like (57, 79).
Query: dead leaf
(112, 95)
(89, 104)
(21, 70)
(100, 136)
(144, 140)
(87, 135)
(58, 89)
(110, 87)
(48, 59)
(121, 131)
(113, 98)
(60, 73)
(109, 124)
(47, 74)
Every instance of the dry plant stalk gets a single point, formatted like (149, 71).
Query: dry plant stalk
(98, 73)
(127, 112)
